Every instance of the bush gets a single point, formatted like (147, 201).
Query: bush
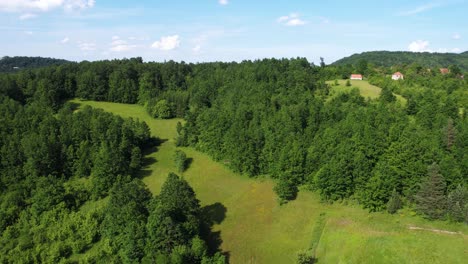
(305, 257)
(180, 161)
(160, 109)
(286, 190)
(394, 203)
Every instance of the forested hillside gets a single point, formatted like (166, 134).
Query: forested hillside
(394, 58)
(270, 117)
(12, 64)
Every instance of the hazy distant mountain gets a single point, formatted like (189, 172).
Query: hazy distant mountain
(11, 64)
(390, 58)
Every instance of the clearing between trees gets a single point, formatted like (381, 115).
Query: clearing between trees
(366, 89)
(253, 228)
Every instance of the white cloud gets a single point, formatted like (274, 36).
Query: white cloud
(44, 5)
(86, 46)
(295, 22)
(419, 46)
(78, 4)
(65, 40)
(456, 50)
(27, 16)
(456, 36)
(283, 19)
(117, 42)
(167, 43)
(291, 20)
(28, 32)
(223, 2)
(420, 9)
(120, 45)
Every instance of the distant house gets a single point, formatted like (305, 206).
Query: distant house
(356, 77)
(398, 76)
(444, 71)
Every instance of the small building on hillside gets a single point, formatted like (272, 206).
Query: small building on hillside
(356, 77)
(398, 76)
(444, 71)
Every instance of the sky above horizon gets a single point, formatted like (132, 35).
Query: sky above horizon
(228, 30)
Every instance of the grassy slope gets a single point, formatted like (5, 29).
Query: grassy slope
(366, 89)
(257, 230)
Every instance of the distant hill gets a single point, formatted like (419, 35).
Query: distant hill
(11, 64)
(391, 58)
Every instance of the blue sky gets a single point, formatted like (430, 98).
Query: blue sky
(227, 30)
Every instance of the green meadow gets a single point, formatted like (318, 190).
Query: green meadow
(366, 89)
(253, 228)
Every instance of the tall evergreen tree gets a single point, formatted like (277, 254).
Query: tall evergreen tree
(431, 200)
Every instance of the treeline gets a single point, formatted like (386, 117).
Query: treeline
(12, 64)
(275, 117)
(393, 58)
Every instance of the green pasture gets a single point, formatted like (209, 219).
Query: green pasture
(366, 89)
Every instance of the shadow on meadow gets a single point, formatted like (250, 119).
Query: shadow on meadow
(213, 214)
(151, 147)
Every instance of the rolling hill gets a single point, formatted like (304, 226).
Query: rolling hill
(12, 64)
(391, 58)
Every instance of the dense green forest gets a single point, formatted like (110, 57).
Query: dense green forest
(70, 184)
(393, 58)
(272, 117)
(12, 64)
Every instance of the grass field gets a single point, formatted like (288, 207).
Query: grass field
(366, 89)
(255, 229)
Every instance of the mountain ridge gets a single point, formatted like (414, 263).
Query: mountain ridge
(392, 58)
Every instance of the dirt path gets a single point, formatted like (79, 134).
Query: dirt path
(435, 230)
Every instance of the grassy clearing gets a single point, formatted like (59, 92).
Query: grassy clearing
(256, 230)
(367, 90)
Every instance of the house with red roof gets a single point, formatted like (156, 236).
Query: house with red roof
(356, 77)
(444, 71)
(398, 76)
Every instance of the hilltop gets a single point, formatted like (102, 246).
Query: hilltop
(11, 64)
(392, 58)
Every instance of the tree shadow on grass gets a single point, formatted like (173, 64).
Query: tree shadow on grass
(152, 146)
(188, 162)
(211, 215)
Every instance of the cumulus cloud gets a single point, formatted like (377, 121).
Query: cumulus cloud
(456, 36)
(291, 20)
(120, 45)
(456, 50)
(419, 46)
(27, 16)
(87, 46)
(65, 40)
(223, 2)
(43, 5)
(167, 43)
